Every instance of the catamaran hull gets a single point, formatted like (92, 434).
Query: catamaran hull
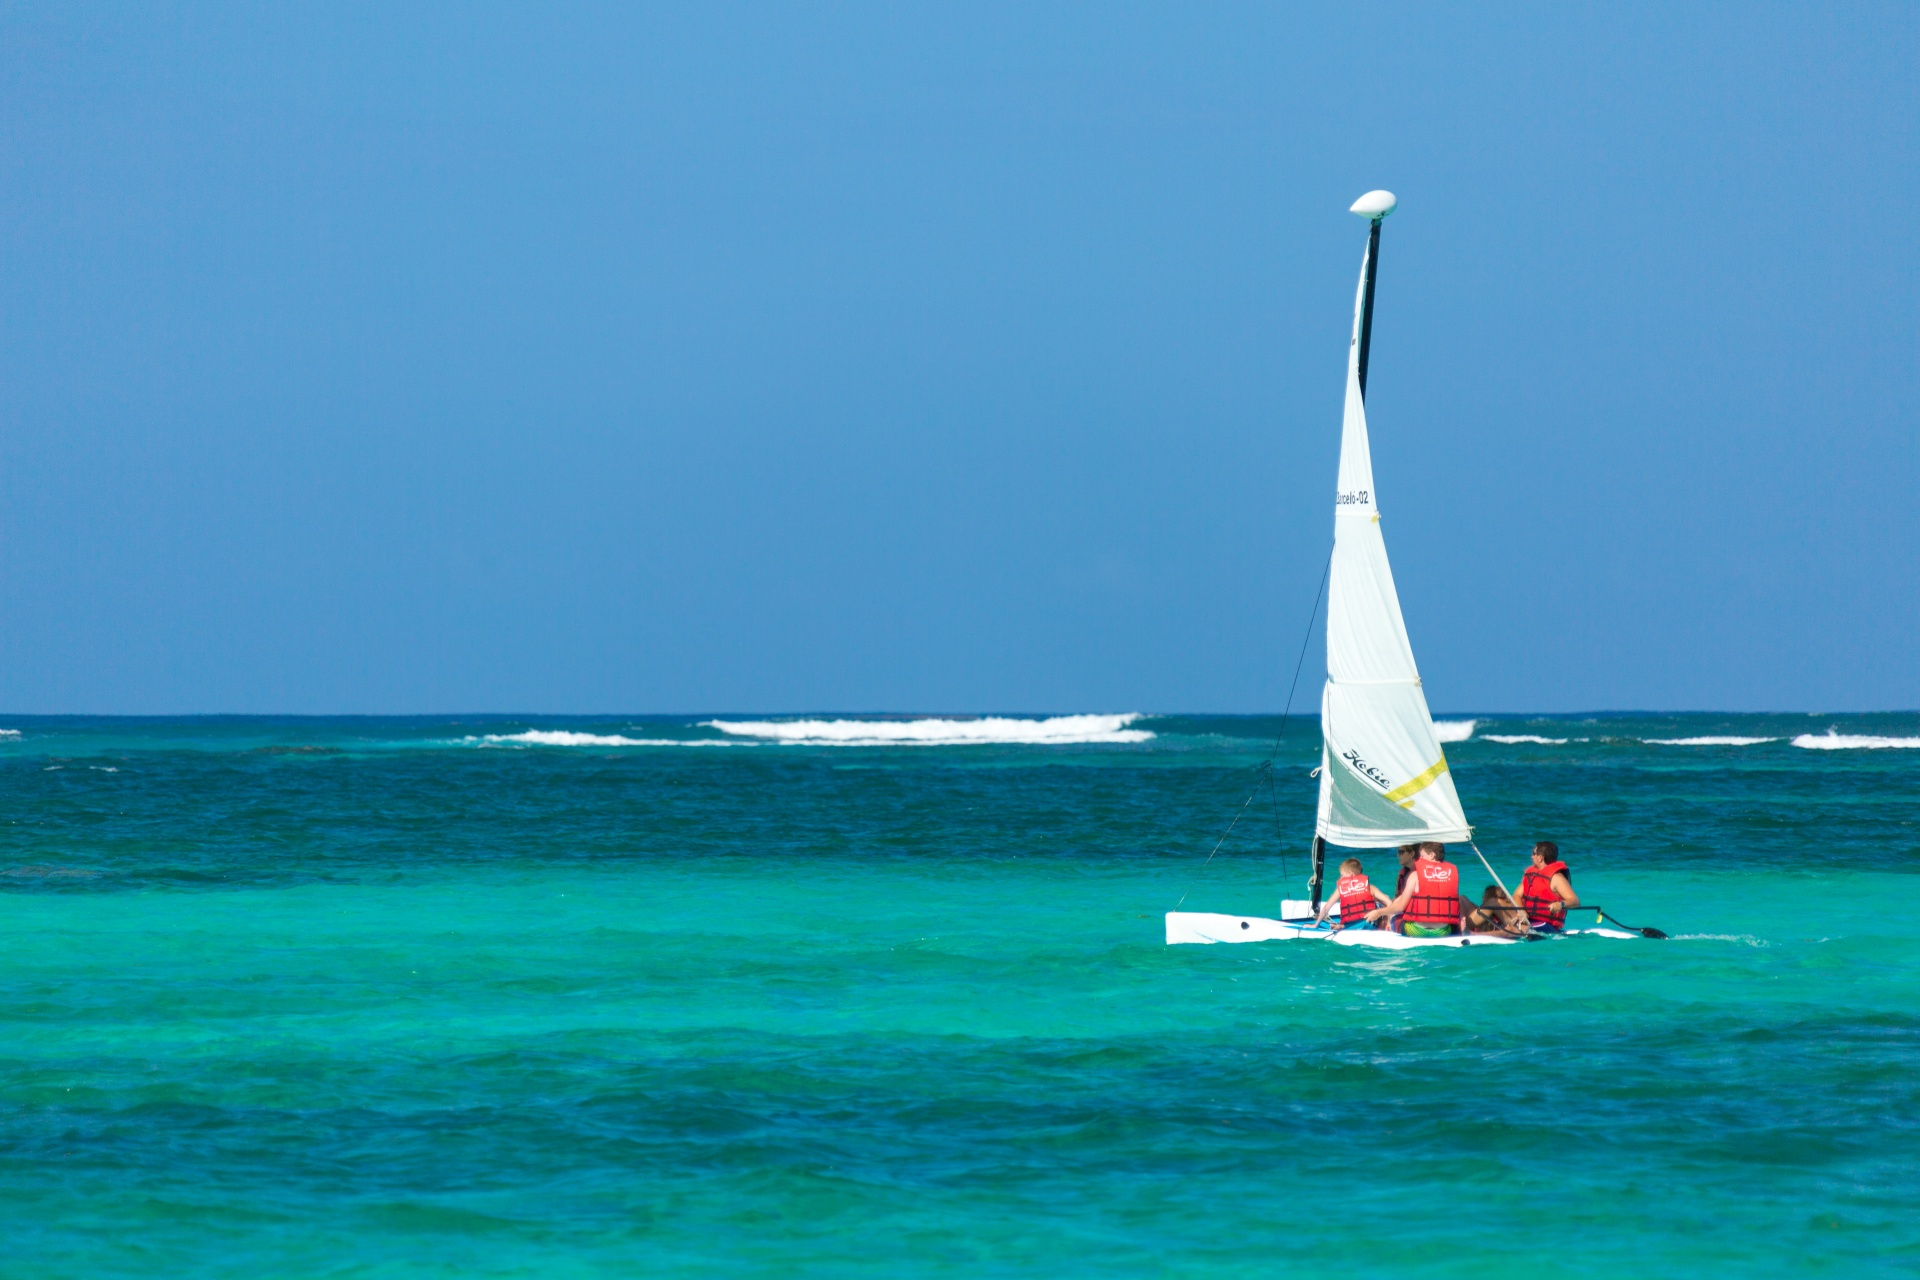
(1207, 927)
(1203, 926)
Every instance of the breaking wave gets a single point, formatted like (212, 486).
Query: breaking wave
(568, 738)
(1708, 742)
(9, 733)
(1524, 737)
(1453, 730)
(1831, 741)
(932, 732)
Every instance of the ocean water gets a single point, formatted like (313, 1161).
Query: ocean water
(641, 995)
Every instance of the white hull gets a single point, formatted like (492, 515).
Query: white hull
(1202, 926)
(1388, 941)
(1207, 927)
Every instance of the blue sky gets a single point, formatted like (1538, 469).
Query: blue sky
(979, 357)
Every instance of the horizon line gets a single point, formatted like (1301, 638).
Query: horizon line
(898, 715)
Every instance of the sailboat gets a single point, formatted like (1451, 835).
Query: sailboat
(1384, 779)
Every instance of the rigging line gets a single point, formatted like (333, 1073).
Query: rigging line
(1273, 799)
(1279, 831)
(1301, 661)
(1266, 766)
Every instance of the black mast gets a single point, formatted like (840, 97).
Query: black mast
(1366, 303)
(1319, 869)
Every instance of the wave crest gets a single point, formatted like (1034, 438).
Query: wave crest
(936, 732)
(568, 738)
(1453, 730)
(1524, 737)
(1711, 741)
(1833, 741)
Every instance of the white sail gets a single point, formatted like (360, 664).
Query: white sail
(1383, 776)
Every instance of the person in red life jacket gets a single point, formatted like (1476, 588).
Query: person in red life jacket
(1546, 890)
(1429, 904)
(1355, 896)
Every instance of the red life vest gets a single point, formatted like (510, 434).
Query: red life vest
(1436, 895)
(1538, 897)
(1356, 899)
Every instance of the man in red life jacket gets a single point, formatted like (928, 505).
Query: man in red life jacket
(1429, 904)
(1546, 890)
(1355, 896)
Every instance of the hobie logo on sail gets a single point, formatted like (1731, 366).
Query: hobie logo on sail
(1359, 497)
(1364, 769)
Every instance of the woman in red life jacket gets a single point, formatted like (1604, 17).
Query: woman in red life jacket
(1546, 890)
(1429, 905)
(1355, 896)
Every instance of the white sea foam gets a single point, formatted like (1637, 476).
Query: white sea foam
(1707, 742)
(1832, 741)
(9, 733)
(1524, 737)
(931, 732)
(1453, 730)
(567, 738)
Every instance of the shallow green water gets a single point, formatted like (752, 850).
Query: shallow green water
(407, 1002)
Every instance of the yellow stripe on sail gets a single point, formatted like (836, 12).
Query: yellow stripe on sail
(1403, 794)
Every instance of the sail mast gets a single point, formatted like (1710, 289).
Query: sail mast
(1364, 340)
(1384, 779)
(1366, 296)
(1363, 324)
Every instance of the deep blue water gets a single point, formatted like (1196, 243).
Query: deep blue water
(431, 997)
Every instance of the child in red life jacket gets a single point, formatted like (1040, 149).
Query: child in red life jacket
(1546, 890)
(1354, 896)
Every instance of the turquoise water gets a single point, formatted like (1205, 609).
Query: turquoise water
(385, 998)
